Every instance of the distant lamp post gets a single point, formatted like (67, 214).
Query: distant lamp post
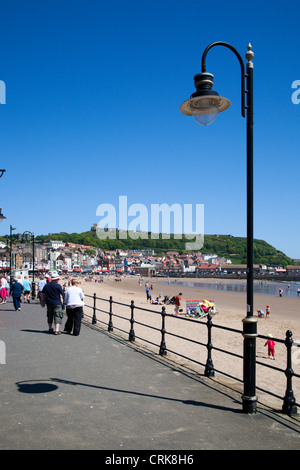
(10, 254)
(204, 105)
(33, 262)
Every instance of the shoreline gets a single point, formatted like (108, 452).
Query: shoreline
(260, 288)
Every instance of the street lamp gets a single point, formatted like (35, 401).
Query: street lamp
(204, 105)
(33, 256)
(2, 217)
(10, 253)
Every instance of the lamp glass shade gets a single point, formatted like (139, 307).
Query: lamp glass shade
(206, 114)
(205, 109)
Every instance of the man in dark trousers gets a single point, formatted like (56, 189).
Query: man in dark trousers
(16, 292)
(54, 296)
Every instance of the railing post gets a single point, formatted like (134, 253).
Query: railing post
(209, 368)
(110, 323)
(94, 321)
(289, 401)
(131, 333)
(163, 348)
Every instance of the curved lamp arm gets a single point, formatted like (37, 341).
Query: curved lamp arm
(229, 46)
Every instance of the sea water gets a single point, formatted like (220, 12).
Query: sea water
(289, 289)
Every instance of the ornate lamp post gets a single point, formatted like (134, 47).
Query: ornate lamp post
(204, 105)
(33, 260)
(2, 217)
(10, 254)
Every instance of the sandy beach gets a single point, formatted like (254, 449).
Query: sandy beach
(231, 306)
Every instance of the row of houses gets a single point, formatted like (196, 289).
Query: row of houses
(55, 255)
(70, 257)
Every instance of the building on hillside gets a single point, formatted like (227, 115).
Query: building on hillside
(55, 244)
(293, 270)
(147, 270)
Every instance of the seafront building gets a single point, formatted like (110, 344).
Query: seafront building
(71, 257)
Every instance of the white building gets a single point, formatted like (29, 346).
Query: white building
(55, 244)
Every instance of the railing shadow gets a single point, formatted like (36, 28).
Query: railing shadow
(289, 402)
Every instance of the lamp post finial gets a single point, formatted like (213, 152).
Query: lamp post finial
(249, 55)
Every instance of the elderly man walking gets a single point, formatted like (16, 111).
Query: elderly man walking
(54, 296)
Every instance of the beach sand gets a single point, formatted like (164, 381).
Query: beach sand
(231, 306)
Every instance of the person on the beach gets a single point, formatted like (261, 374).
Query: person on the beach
(177, 303)
(148, 294)
(271, 347)
(53, 293)
(74, 308)
(268, 311)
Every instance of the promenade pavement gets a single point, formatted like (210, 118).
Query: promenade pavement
(98, 392)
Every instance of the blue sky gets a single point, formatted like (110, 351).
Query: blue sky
(93, 91)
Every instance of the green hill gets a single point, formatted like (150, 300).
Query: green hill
(227, 246)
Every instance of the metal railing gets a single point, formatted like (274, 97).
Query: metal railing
(289, 405)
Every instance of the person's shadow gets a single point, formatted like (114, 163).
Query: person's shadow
(36, 387)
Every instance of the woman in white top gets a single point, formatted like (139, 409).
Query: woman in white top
(74, 308)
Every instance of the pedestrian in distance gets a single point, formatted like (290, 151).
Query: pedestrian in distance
(4, 289)
(16, 292)
(268, 311)
(41, 284)
(271, 347)
(148, 294)
(74, 308)
(53, 295)
(26, 289)
(177, 303)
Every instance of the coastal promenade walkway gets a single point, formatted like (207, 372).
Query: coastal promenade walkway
(98, 392)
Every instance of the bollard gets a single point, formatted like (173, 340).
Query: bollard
(131, 333)
(94, 321)
(289, 401)
(110, 323)
(209, 368)
(163, 348)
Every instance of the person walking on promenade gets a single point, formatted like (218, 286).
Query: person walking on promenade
(41, 284)
(74, 308)
(16, 292)
(177, 303)
(53, 293)
(4, 290)
(26, 289)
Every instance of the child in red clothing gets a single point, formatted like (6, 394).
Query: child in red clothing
(271, 347)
